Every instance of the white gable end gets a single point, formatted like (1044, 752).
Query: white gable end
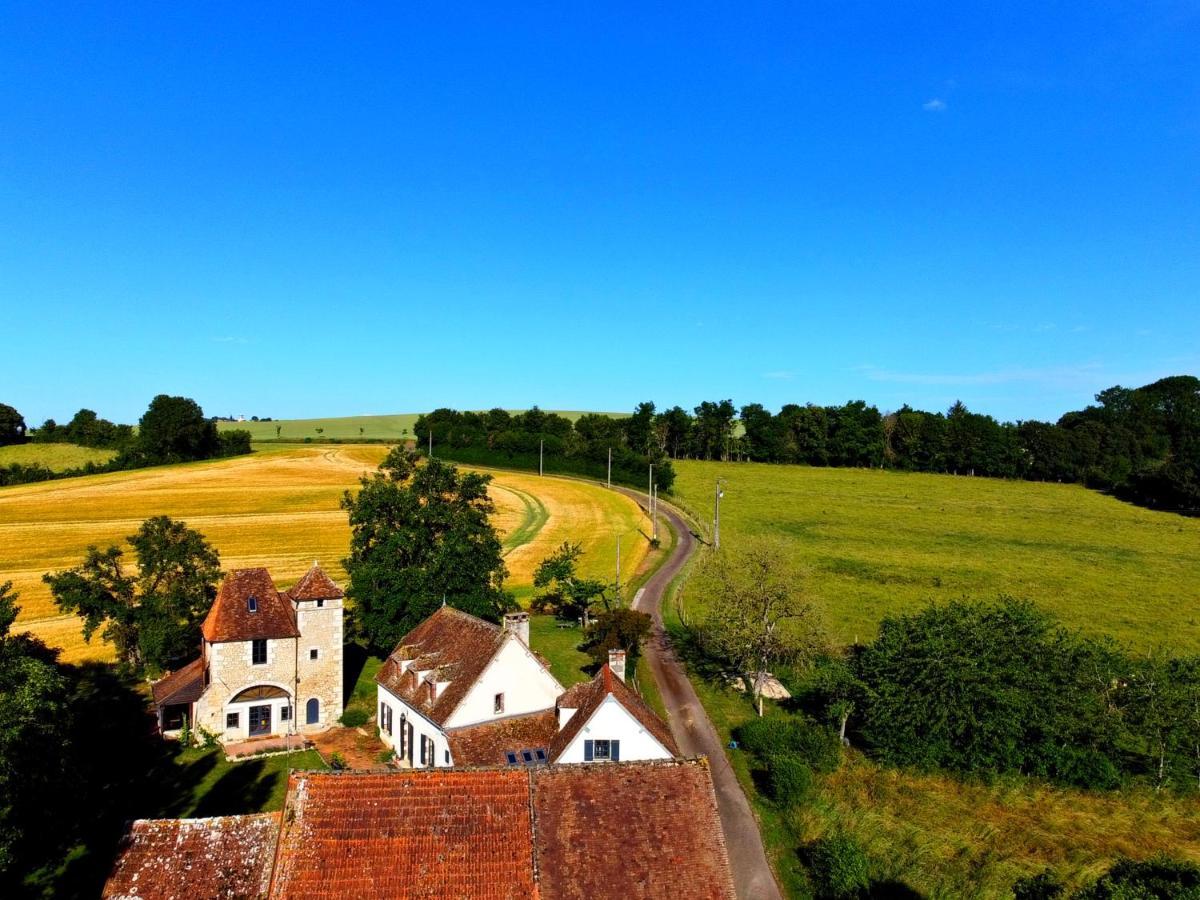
(516, 673)
(611, 721)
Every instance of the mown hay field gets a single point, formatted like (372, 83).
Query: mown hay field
(278, 508)
(875, 543)
(55, 457)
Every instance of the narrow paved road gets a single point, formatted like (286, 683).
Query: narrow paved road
(694, 732)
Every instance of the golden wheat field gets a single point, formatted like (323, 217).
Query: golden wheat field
(278, 508)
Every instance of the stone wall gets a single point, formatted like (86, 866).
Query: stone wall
(321, 630)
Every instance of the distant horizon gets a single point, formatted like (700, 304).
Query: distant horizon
(35, 421)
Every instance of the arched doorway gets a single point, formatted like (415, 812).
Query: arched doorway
(312, 711)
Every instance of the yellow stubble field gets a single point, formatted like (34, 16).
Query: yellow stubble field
(279, 508)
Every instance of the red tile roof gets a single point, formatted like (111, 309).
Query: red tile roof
(486, 744)
(315, 585)
(452, 646)
(230, 618)
(646, 829)
(638, 829)
(184, 685)
(585, 699)
(161, 859)
(422, 833)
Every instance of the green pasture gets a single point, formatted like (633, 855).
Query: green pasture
(56, 457)
(393, 427)
(875, 542)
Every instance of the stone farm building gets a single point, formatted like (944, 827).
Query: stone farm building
(270, 662)
(622, 830)
(459, 691)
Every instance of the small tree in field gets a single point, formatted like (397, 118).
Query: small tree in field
(564, 592)
(757, 613)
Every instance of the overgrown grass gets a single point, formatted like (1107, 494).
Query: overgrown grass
(879, 542)
(55, 457)
(939, 835)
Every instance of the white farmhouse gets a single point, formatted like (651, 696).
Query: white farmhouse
(459, 691)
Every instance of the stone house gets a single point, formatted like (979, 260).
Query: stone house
(270, 662)
(459, 691)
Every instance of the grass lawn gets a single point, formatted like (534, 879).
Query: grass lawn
(212, 786)
(55, 457)
(879, 542)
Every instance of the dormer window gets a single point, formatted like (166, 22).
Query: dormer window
(252, 604)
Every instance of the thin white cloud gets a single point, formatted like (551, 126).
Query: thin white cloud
(780, 375)
(936, 105)
(229, 339)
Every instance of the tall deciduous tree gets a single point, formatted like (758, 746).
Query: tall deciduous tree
(420, 536)
(757, 614)
(12, 425)
(175, 429)
(33, 742)
(151, 616)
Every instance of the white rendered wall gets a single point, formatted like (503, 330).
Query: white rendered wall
(515, 672)
(421, 726)
(613, 722)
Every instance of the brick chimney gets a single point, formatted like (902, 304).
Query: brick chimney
(518, 624)
(616, 662)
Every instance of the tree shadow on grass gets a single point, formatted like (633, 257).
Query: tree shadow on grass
(245, 788)
(354, 659)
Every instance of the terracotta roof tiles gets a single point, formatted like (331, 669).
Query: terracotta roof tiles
(164, 859)
(422, 833)
(230, 618)
(487, 744)
(184, 685)
(648, 830)
(449, 637)
(315, 585)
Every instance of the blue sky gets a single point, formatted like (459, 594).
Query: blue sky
(331, 209)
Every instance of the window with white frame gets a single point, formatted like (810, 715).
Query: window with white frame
(601, 750)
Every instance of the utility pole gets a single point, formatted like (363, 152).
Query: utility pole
(717, 516)
(654, 514)
(610, 468)
(650, 493)
(540, 444)
(618, 565)
(431, 443)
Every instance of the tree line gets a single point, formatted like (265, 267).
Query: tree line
(173, 429)
(518, 440)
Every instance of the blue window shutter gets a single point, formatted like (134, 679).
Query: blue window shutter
(614, 748)
(587, 751)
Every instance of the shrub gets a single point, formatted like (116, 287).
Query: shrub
(816, 745)
(1085, 768)
(789, 779)
(839, 867)
(208, 739)
(337, 761)
(1044, 886)
(354, 718)
(1160, 877)
(385, 756)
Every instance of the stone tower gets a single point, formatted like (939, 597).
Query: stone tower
(319, 607)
